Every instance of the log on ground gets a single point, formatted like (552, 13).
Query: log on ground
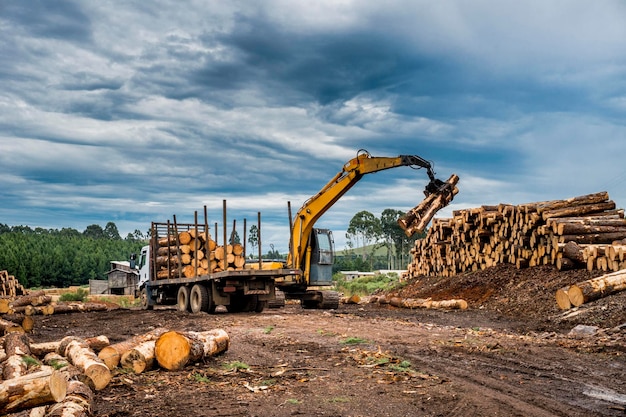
(32, 390)
(78, 402)
(111, 355)
(84, 358)
(174, 350)
(140, 358)
(593, 289)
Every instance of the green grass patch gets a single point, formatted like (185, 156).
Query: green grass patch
(80, 295)
(236, 366)
(339, 400)
(292, 401)
(353, 341)
(367, 285)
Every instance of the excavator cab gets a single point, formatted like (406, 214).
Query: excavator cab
(322, 256)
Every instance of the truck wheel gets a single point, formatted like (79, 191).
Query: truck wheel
(143, 297)
(200, 300)
(260, 306)
(182, 300)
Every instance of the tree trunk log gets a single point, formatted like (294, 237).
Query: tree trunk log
(84, 358)
(140, 358)
(412, 303)
(78, 402)
(418, 218)
(174, 350)
(596, 288)
(32, 390)
(111, 355)
(578, 210)
(562, 299)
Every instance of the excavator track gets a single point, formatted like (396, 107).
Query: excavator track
(330, 300)
(321, 300)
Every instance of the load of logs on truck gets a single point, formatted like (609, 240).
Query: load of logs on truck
(185, 266)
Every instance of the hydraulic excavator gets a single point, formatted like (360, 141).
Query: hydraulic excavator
(311, 249)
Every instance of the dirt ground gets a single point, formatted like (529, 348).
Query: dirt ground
(511, 353)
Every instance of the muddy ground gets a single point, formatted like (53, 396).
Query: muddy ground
(512, 353)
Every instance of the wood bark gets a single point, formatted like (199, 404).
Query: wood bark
(84, 358)
(32, 390)
(174, 350)
(420, 216)
(413, 303)
(593, 289)
(78, 402)
(111, 355)
(140, 358)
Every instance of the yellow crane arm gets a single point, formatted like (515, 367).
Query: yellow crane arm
(351, 173)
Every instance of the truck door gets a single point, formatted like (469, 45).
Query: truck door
(144, 266)
(322, 257)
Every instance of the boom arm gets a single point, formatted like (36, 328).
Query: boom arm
(351, 173)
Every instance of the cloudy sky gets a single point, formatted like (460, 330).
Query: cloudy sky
(134, 111)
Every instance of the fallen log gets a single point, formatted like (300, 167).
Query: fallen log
(413, 303)
(7, 326)
(78, 402)
(83, 307)
(32, 390)
(174, 350)
(140, 358)
(16, 349)
(112, 354)
(593, 289)
(562, 298)
(35, 299)
(96, 343)
(78, 352)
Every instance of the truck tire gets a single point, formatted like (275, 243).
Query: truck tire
(182, 299)
(143, 297)
(260, 306)
(200, 299)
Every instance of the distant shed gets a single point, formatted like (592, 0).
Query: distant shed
(121, 280)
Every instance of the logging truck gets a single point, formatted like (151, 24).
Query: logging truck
(184, 266)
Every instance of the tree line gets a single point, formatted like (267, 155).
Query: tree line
(59, 258)
(366, 234)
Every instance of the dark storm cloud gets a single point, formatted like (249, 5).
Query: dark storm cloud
(133, 111)
(59, 19)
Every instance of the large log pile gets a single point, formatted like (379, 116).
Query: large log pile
(10, 286)
(540, 233)
(192, 252)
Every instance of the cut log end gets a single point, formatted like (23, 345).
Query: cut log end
(562, 299)
(172, 351)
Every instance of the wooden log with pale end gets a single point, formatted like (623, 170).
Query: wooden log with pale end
(78, 352)
(78, 402)
(174, 350)
(112, 354)
(140, 358)
(32, 390)
(593, 289)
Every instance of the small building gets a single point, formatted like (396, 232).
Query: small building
(351, 275)
(122, 279)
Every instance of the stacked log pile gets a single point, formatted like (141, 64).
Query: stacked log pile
(193, 252)
(59, 378)
(10, 286)
(581, 232)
